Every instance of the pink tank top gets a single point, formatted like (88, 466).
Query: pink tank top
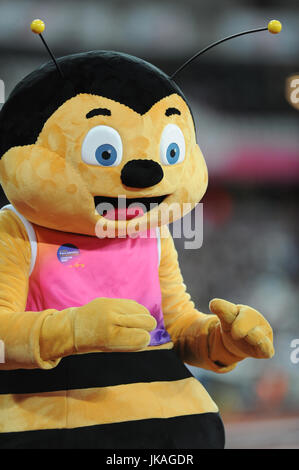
(70, 270)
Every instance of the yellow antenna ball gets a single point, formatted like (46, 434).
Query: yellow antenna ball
(37, 26)
(274, 26)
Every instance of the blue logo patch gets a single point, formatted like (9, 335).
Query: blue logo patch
(67, 253)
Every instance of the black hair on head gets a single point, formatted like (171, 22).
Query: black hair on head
(120, 77)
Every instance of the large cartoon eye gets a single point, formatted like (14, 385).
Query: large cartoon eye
(102, 146)
(172, 145)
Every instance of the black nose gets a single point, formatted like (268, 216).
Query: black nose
(141, 173)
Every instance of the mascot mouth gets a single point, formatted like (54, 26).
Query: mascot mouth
(122, 208)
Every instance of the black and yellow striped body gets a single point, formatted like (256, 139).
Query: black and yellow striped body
(146, 399)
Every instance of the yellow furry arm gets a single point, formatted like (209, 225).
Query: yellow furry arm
(197, 336)
(19, 330)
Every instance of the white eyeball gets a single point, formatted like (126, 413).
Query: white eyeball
(172, 145)
(102, 146)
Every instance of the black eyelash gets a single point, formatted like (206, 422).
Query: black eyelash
(171, 111)
(98, 112)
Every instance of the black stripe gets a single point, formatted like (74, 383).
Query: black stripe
(203, 431)
(96, 370)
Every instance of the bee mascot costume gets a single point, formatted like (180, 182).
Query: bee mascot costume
(96, 322)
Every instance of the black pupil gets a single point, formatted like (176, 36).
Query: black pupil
(172, 153)
(106, 154)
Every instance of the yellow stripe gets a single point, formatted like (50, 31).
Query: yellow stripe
(161, 346)
(88, 407)
(168, 345)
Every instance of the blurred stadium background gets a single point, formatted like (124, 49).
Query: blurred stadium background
(249, 135)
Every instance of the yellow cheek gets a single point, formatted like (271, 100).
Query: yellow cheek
(54, 139)
(71, 189)
(48, 185)
(3, 174)
(83, 168)
(13, 180)
(24, 208)
(184, 195)
(57, 166)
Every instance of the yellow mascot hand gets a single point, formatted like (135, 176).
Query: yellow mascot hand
(112, 325)
(245, 332)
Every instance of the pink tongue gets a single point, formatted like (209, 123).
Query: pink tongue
(124, 214)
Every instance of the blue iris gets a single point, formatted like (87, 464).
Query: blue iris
(172, 153)
(106, 154)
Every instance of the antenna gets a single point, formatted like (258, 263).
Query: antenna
(274, 27)
(38, 27)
